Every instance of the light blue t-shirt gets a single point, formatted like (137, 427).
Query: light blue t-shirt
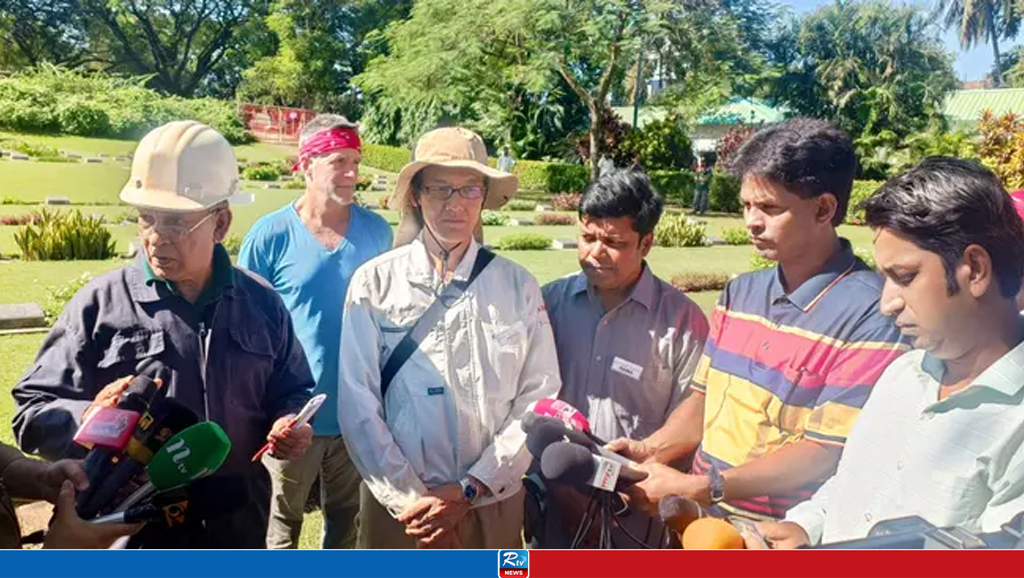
(313, 281)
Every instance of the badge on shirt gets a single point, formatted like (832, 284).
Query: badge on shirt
(627, 368)
(435, 391)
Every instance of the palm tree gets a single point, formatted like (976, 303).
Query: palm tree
(981, 21)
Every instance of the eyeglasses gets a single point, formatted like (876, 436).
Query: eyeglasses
(169, 231)
(444, 193)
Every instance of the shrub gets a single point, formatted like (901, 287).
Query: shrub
(34, 151)
(80, 118)
(731, 142)
(860, 193)
(494, 219)
(680, 231)
(566, 201)
(55, 159)
(53, 99)
(233, 243)
(695, 282)
(554, 219)
(63, 237)
(18, 220)
(128, 216)
(296, 183)
(385, 158)
(58, 296)
(724, 193)
(261, 172)
(757, 262)
(551, 178)
(661, 145)
(523, 242)
(736, 236)
(1002, 147)
(675, 187)
(519, 205)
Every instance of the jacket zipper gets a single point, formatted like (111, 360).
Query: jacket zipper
(204, 354)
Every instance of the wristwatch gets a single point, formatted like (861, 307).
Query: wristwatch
(469, 490)
(717, 485)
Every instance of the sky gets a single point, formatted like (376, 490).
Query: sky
(971, 64)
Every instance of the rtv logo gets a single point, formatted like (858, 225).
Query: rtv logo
(513, 563)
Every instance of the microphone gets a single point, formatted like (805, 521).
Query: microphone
(542, 431)
(677, 512)
(165, 417)
(711, 534)
(576, 465)
(100, 460)
(567, 414)
(203, 499)
(195, 452)
(107, 428)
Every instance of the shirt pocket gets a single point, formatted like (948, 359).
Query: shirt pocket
(955, 497)
(425, 431)
(129, 346)
(250, 365)
(506, 346)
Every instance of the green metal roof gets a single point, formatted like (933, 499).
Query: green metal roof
(744, 110)
(967, 106)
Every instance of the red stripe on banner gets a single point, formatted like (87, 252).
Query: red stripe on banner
(775, 564)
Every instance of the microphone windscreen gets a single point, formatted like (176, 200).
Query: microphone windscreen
(567, 462)
(712, 534)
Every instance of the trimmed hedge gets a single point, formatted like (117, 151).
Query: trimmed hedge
(860, 193)
(523, 242)
(724, 193)
(385, 158)
(551, 178)
(675, 187)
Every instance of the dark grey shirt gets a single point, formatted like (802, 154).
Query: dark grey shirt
(249, 372)
(628, 368)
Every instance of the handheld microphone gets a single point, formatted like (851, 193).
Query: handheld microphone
(203, 499)
(100, 460)
(567, 414)
(576, 465)
(678, 512)
(165, 417)
(193, 453)
(542, 431)
(107, 428)
(712, 534)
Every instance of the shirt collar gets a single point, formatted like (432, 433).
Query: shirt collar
(811, 291)
(642, 293)
(1005, 376)
(422, 271)
(221, 277)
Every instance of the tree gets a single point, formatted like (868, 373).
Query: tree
(980, 21)
(36, 31)
(869, 67)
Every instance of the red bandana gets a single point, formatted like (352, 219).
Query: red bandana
(326, 142)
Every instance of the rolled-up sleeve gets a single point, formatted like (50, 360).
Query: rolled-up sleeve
(59, 387)
(505, 462)
(372, 448)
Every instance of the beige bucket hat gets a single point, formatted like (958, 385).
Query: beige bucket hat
(448, 147)
(182, 166)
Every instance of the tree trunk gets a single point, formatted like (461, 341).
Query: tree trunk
(596, 126)
(997, 70)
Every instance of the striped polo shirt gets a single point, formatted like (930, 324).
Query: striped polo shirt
(778, 368)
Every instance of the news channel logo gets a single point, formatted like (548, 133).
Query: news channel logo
(513, 563)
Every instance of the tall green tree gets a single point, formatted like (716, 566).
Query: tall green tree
(870, 67)
(982, 21)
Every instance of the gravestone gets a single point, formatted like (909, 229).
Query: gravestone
(22, 316)
(93, 160)
(273, 186)
(57, 200)
(543, 208)
(520, 222)
(564, 244)
(19, 157)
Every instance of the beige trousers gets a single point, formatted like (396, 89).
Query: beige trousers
(496, 526)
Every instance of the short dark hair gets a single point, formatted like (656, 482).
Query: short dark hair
(622, 193)
(943, 205)
(809, 157)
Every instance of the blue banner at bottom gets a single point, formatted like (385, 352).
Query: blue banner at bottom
(249, 564)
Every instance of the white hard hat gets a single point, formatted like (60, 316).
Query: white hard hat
(182, 166)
